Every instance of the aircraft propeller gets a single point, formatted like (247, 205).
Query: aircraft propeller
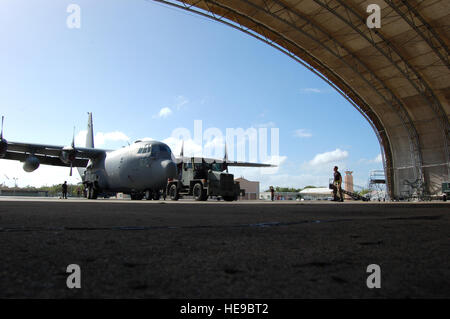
(1, 134)
(3, 142)
(73, 148)
(182, 149)
(69, 153)
(225, 157)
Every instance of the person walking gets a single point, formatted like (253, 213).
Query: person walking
(337, 185)
(64, 190)
(272, 193)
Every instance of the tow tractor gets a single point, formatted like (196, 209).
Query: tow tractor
(203, 180)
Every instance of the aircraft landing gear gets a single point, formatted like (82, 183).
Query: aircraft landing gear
(136, 196)
(92, 193)
(151, 194)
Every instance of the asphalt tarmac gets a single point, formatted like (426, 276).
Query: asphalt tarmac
(185, 249)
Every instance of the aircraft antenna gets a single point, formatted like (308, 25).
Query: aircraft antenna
(73, 138)
(73, 150)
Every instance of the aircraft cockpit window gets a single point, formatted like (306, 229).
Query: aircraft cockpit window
(165, 151)
(155, 150)
(145, 149)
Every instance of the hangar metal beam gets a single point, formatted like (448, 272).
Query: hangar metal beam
(326, 73)
(426, 32)
(397, 77)
(366, 74)
(387, 49)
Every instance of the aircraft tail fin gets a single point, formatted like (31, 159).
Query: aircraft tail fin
(90, 133)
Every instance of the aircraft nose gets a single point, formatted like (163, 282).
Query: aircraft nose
(169, 168)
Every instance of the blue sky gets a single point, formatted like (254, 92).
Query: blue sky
(132, 61)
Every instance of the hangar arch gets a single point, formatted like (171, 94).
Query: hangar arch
(397, 76)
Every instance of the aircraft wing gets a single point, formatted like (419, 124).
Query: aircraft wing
(187, 159)
(45, 160)
(50, 154)
(246, 164)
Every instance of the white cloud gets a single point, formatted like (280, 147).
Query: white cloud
(181, 101)
(213, 148)
(311, 90)
(190, 148)
(328, 157)
(378, 159)
(163, 113)
(263, 125)
(302, 133)
(101, 138)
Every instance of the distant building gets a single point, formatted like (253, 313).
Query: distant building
(318, 193)
(251, 189)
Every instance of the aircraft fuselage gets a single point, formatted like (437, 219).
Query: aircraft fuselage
(137, 168)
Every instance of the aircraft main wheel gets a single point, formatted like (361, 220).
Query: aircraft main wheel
(173, 192)
(92, 193)
(199, 193)
(228, 198)
(136, 196)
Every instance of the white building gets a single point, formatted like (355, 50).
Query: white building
(279, 196)
(319, 193)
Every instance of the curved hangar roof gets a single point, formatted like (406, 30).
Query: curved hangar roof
(397, 75)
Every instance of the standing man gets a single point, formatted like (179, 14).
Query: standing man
(272, 193)
(337, 185)
(64, 190)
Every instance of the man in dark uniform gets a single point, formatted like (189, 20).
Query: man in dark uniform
(272, 193)
(64, 190)
(337, 185)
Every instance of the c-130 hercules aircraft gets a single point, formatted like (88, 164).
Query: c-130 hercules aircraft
(141, 169)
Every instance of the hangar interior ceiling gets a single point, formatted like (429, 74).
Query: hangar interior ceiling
(397, 76)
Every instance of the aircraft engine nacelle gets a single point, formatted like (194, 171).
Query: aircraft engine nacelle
(3, 148)
(31, 164)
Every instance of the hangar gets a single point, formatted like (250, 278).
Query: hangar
(397, 76)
